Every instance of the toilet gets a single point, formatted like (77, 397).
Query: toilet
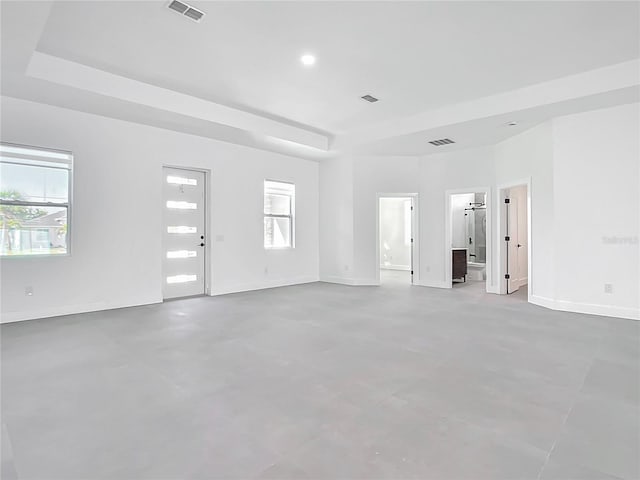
(476, 271)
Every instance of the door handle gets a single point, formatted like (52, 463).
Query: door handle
(519, 245)
(202, 244)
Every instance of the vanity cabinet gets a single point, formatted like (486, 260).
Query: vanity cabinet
(459, 264)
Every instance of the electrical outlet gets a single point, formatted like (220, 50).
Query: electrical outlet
(608, 288)
(428, 268)
(28, 291)
(266, 270)
(346, 268)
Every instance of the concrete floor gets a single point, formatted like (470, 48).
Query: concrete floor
(401, 277)
(323, 381)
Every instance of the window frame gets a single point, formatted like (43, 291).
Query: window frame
(64, 157)
(291, 215)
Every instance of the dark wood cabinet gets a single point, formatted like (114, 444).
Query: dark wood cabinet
(459, 264)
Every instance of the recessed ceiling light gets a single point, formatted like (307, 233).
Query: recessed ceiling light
(512, 124)
(308, 60)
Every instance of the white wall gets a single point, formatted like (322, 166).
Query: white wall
(373, 176)
(395, 252)
(586, 160)
(528, 157)
(589, 159)
(465, 170)
(336, 220)
(597, 210)
(369, 176)
(116, 224)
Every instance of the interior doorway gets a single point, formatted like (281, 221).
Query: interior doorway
(515, 237)
(183, 253)
(397, 239)
(468, 239)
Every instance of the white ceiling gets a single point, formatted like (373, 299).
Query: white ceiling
(414, 56)
(492, 129)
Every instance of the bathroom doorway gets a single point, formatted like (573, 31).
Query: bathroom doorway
(468, 239)
(397, 239)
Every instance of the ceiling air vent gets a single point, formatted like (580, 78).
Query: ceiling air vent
(369, 98)
(194, 14)
(178, 6)
(186, 10)
(443, 141)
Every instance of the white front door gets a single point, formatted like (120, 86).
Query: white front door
(184, 233)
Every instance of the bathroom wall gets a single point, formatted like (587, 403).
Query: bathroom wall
(480, 229)
(458, 219)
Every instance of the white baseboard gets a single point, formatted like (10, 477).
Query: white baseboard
(10, 317)
(543, 301)
(366, 282)
(433, 284)
(404, 268)
(588, 308)
(357, 282)
(338, 280)
(247, 287)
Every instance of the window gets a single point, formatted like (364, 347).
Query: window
(35, 187)
(279, 205)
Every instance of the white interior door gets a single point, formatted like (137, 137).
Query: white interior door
(412, 233)
(523, 235)
(184, 233)
(513, 250)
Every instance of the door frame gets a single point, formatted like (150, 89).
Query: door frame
(207, 232)
(448, 226)
(502, 232)
(415, 234)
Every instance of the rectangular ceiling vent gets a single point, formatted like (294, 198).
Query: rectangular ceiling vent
(369, 98)
(186, 10)
(443, 141)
